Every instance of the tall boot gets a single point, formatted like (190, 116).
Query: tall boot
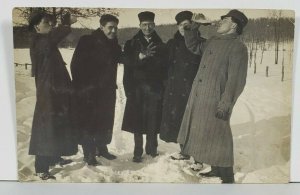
(226, 174)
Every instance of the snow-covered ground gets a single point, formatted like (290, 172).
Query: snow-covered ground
(260, 125)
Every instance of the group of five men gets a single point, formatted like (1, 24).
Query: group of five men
(184, 89)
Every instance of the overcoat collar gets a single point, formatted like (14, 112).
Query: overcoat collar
(101, 37)
(228, 36)
(154, 37)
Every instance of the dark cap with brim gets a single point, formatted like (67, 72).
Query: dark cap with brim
(146, 16)
(237, 15)
(182, 16)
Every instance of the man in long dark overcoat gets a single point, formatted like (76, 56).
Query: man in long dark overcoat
(205, 130)
(52, 135)
(144, 71)
(182, 68)
(94, 72)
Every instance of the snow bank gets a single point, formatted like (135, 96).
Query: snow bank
(260, 125)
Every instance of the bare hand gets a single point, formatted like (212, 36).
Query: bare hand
(220, 114)
(200, 19)
(150, 50)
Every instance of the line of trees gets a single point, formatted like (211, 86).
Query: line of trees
(258, 34)
(58, 12)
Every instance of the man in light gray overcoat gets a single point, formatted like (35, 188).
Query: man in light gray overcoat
(205, 131)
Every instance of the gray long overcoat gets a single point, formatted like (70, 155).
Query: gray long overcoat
(219, 82)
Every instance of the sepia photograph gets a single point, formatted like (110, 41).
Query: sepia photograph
(135, 95)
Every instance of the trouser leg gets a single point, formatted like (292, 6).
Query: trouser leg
(138, 144)
(181, 147)
(88, 146)
(151, 143)
(42, 164)
(226, 174)
(100, 145)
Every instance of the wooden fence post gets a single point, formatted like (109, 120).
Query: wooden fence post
(282, 74)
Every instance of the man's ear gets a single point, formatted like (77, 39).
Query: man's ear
(234, 25)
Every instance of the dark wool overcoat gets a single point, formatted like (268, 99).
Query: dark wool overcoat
(94, 71)
(143, 84)
(182, 68)
(219, 82)
(51, 134)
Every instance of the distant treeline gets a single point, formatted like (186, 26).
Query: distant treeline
(258, 30)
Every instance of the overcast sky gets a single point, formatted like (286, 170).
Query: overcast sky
(128, 17)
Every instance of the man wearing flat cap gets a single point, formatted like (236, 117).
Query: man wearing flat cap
(52, 135)
(94, 72)
(144, 71)
(205, 130)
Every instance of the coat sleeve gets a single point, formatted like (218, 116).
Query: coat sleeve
(131, 54)
(33, 61)
(78, 60)
(193, 41)
(59, 33)
(129, 63)
(236, 77)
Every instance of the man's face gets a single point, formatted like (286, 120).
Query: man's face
(226, 26)
(182, 25)
(147, 27)
(45, 26)
(110, 29)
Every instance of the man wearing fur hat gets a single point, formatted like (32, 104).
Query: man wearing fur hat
(205, 130)
(94, 72)
(144, 71)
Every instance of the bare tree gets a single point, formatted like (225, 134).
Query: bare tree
(276, 14)
(58, 12)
